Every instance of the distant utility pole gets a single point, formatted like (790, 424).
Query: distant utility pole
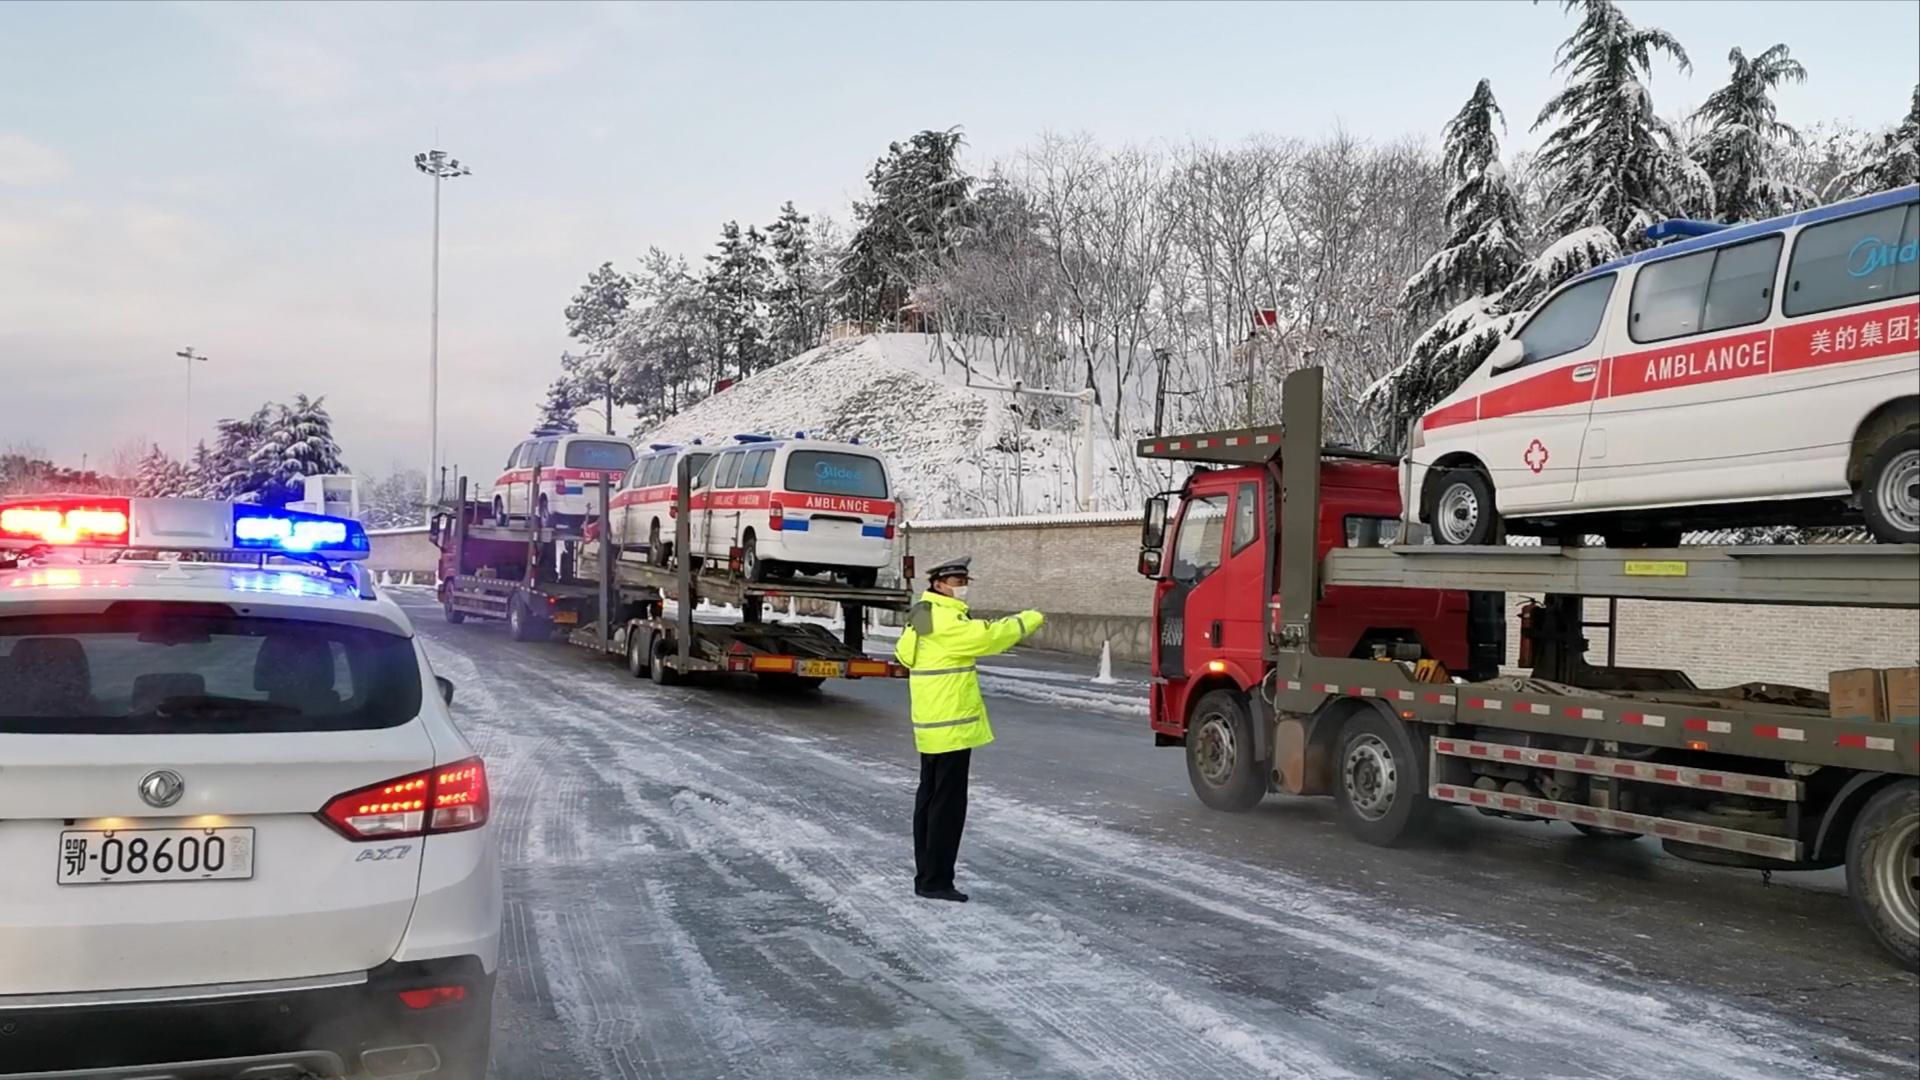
(186, 426)
(441, 166)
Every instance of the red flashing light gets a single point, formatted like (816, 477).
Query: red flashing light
(67, 521)
(451, 798)
(429, 997)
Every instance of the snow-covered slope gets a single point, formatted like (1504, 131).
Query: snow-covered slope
(955, 448)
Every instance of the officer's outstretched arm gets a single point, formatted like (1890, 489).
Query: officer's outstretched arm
(974, 638)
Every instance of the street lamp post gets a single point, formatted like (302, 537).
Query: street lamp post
(441, 166)
(186, 427)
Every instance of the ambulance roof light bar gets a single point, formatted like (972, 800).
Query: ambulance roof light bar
(178, 525)
(1678, 228)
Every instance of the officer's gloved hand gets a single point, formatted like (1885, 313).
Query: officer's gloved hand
(1031, 620)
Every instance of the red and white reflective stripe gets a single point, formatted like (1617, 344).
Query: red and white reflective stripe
(1773, 847)
(1294, 684)
(1487, 703)
(1771, 731)
(1361, 691)
(1262, 440)
(1585, 714)
(1643, 719)
(1717, 727)
(1535, 707)
(1403, 695)
(1232, 440)
(1202, 444)
(1176, 445)
(1865, 742)
(1438, 699)
(1766, 787)
(1327, 688)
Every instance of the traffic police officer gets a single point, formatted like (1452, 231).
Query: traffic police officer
(939, 648)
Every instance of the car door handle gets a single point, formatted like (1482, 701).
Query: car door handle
(1585, 372)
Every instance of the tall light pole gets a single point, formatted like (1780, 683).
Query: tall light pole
(441, 166)
(186, 428)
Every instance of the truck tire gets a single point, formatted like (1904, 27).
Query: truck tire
(657, 664)
(1883, 869)
(1890, 490)
(638, 665)
(1381, 786)
(446, 607)
(656, 552)
(1462, 510)
(522, 624)
(1220, 763)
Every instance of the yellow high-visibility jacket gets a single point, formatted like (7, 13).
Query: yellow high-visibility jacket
(939, 647)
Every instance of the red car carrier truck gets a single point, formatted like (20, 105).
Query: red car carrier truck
(1298, 649)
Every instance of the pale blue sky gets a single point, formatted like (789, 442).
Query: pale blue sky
(237, 177)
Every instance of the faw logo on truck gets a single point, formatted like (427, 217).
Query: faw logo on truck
(842, 503)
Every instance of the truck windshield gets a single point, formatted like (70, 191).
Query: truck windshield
(1202, 529)
(599, 454)
(156, 669)
(1372, 531)
(826, 472)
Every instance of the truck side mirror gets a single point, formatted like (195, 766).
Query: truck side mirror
(1509, 354)
(1153, 524)
(1149, 563)
(435, 528)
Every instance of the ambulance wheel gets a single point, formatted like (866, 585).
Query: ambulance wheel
(500, 513)
(658, 667)
(1461, 508)
(1381, 785)
(750, 563)
(1883, 868)
(1890, 491)
(864, 578)
(1220, 763)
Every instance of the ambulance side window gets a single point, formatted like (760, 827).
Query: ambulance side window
(729, 468)
(658, 470)
(1567, 322)
(546, 449)
(758, 467)
(516, 455)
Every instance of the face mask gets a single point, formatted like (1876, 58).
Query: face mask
(960, 592)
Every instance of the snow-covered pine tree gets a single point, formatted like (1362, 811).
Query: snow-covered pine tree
(1744, 139)
(157, 474)
(237, 440)
(795, 317)
(203, 473)
(736, 285)
(921, 208)
(1894, 163)
(298, 442)
(1611, 157)
(556, 413)
(1484, 231)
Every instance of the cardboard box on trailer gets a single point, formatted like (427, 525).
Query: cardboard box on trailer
(1903, 695)
(1857, 694)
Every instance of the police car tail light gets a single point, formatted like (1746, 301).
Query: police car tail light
(66, 521)
(450, 798)
(260, 528)
(776, 517)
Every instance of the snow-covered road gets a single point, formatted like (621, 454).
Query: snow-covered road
(716, 883)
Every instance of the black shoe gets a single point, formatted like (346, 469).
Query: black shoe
(954, 895)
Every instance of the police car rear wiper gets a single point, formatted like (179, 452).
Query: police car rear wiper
(217, 706)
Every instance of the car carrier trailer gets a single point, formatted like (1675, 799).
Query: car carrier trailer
(560, 581)
(1758, 778)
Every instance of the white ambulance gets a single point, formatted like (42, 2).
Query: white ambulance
(642, 513)
(1767, 373)
(570, 467)
(788, 506)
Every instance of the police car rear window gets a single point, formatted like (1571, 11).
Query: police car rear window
(599, 455)
(825, 472)
(156, 671)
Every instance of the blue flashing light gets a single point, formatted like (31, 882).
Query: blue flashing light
(799, 434)
(696, 442)
(753, 438)
(855, 441)
(664, 445)
(1681, 227)
(293, 532)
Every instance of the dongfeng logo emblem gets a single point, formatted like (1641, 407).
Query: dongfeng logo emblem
(162, 788)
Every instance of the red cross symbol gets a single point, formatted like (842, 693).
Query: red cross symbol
(1537, 455)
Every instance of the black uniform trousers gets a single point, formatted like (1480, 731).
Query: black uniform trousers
(939, 815)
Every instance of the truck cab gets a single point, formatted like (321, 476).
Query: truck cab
(1216, 586)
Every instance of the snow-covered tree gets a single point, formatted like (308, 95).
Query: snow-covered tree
(921, 208)
(202, 473)
(796, 315)
(737, 281)
(556, 413)
(1744, 137)
(1484, 230)
(297, 442)
(1611, 156)
(596, 309)
(392, 501)
(1894, 163)
(597, 381)
(160, 476)
(236, 475)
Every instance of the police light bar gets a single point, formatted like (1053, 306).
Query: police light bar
(753, 438)
(176, 525)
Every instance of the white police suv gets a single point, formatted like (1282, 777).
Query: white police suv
(240, 835)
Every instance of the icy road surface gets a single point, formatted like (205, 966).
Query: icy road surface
(717, 883)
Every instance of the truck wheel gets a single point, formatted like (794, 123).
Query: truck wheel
(1462, 511)
(750, 564)
(637, 665)
(1220, 763)
(662, 674)
(1890, 491)
(499, 513)
(656, 554)
(521, 623)
(1382, 786)
(446, 606)
(1883, 869)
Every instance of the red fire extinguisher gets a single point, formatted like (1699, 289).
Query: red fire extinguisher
(1526, 633)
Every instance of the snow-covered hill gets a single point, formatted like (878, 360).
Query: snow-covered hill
(955, 448)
